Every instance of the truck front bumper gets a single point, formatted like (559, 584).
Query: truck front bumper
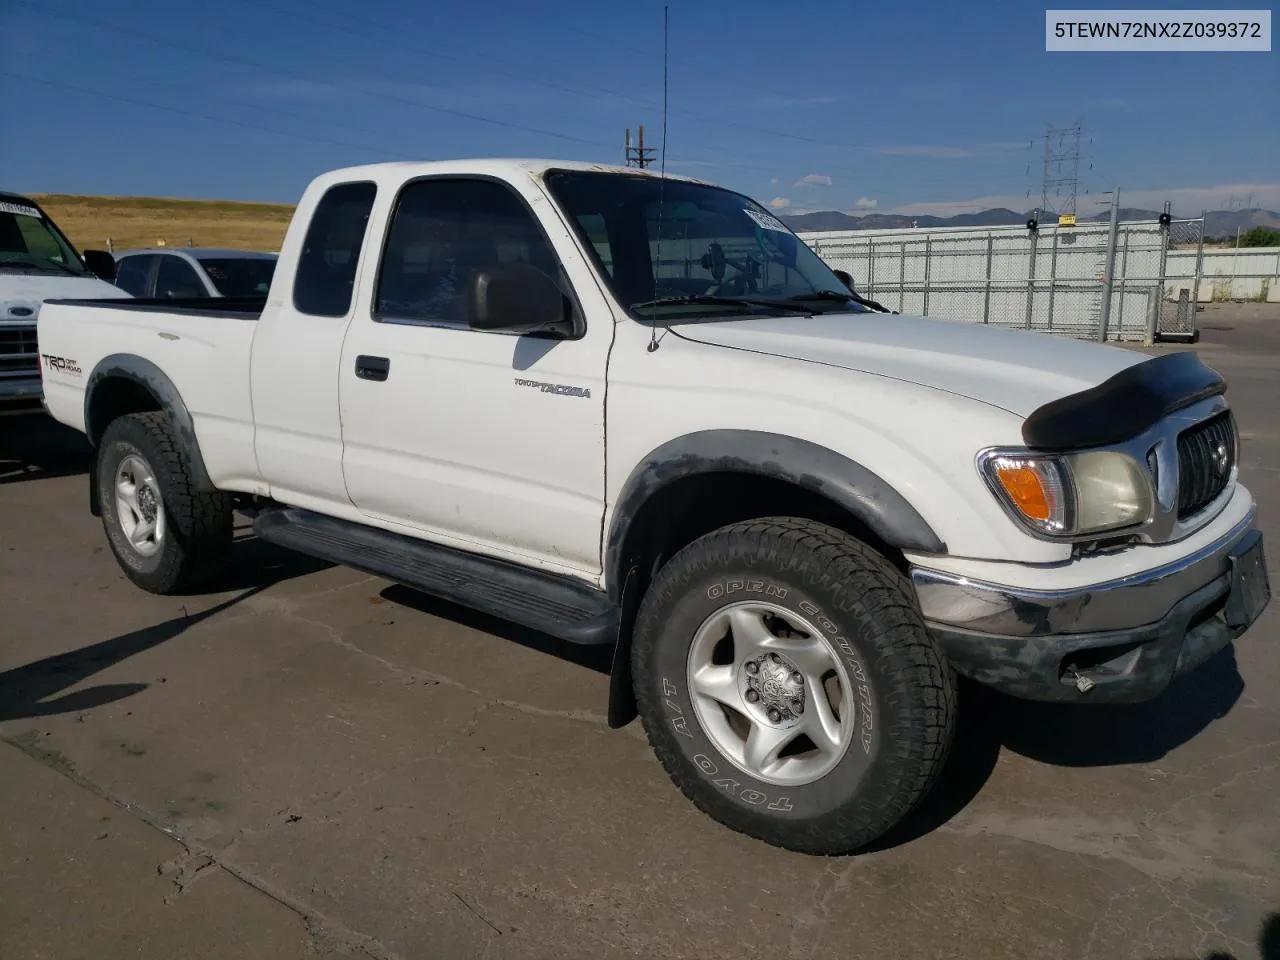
(1117, 642)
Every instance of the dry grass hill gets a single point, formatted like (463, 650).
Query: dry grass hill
(146, 221)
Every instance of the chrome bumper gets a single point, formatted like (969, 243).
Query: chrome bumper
(1123, 640)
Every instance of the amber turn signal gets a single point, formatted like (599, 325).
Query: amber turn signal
(1034, 488)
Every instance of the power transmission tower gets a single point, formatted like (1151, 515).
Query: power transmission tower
(1061, 182)
(1236, 202)
(639, 155)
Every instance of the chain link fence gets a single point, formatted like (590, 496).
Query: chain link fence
(1050, 280)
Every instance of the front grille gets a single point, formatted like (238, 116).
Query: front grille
(1206, 456)
(19, 355)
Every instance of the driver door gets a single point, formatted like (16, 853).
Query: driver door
(482, 440)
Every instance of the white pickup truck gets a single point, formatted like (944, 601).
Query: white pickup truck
(636, 410)
(37, 262)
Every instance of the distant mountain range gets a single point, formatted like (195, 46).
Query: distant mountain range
(1218, 223)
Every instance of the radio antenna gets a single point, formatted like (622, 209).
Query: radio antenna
(662, 167)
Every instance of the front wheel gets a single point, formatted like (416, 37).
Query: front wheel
(165, 535)
(788, 685)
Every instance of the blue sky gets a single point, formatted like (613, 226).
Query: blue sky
(924, 106)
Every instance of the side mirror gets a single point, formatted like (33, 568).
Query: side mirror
(518, 299)
(845, 277)
(101, 264)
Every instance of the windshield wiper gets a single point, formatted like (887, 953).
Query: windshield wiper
(844, 298)
(699, 299)
(824, 295)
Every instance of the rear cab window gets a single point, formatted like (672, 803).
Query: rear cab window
(324, 283)
(239, 276)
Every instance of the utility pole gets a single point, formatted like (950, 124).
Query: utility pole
(639, 155)
(1108, 276)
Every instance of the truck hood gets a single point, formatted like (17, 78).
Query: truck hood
(1015, 370)
(26, 291)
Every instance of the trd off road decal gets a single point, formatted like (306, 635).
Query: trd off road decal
(62, 365)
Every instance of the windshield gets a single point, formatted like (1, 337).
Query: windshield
(240, 277)
(696, 242)
(31, 242)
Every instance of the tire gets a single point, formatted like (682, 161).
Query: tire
(192, 533)
(895, 690)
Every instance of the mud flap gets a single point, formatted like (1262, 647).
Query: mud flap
(95, 501)
(622, 698)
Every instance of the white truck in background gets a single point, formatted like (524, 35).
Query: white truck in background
(636, 410)
(37, 263)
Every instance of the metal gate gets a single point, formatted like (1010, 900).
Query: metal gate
(1180, 274)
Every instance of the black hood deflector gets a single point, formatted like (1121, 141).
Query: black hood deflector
(1125, 405)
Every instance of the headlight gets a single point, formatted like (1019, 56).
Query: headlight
(1071, 495)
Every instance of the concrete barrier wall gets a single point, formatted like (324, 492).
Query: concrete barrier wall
(1251, 273)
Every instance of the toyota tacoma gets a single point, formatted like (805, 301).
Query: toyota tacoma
(636, 410)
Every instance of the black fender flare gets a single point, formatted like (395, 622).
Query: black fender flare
(809, 466)
(863, 493)
(155, 381)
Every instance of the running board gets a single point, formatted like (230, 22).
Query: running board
(547, 602)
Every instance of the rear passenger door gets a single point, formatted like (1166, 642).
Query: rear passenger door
(296, 351)
(481, 440)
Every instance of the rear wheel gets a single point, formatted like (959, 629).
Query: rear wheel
(165, 535)
(788, 685)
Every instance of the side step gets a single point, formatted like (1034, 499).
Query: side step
(555, 605)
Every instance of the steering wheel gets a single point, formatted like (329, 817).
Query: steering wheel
(714, 261)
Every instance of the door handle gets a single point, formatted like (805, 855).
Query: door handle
(372, 368)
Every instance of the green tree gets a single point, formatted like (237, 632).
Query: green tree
(1260, 237)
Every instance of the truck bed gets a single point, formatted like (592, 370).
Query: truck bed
(200, 347)
(240, 308)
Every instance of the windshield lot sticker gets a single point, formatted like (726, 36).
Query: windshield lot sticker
(20, 210)
(766, 221)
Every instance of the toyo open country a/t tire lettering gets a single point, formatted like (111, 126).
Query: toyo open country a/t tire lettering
(166, 536)
(787, 683)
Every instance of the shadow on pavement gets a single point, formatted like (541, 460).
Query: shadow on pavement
(36, 446)
(1068, 735)
(25, 690)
